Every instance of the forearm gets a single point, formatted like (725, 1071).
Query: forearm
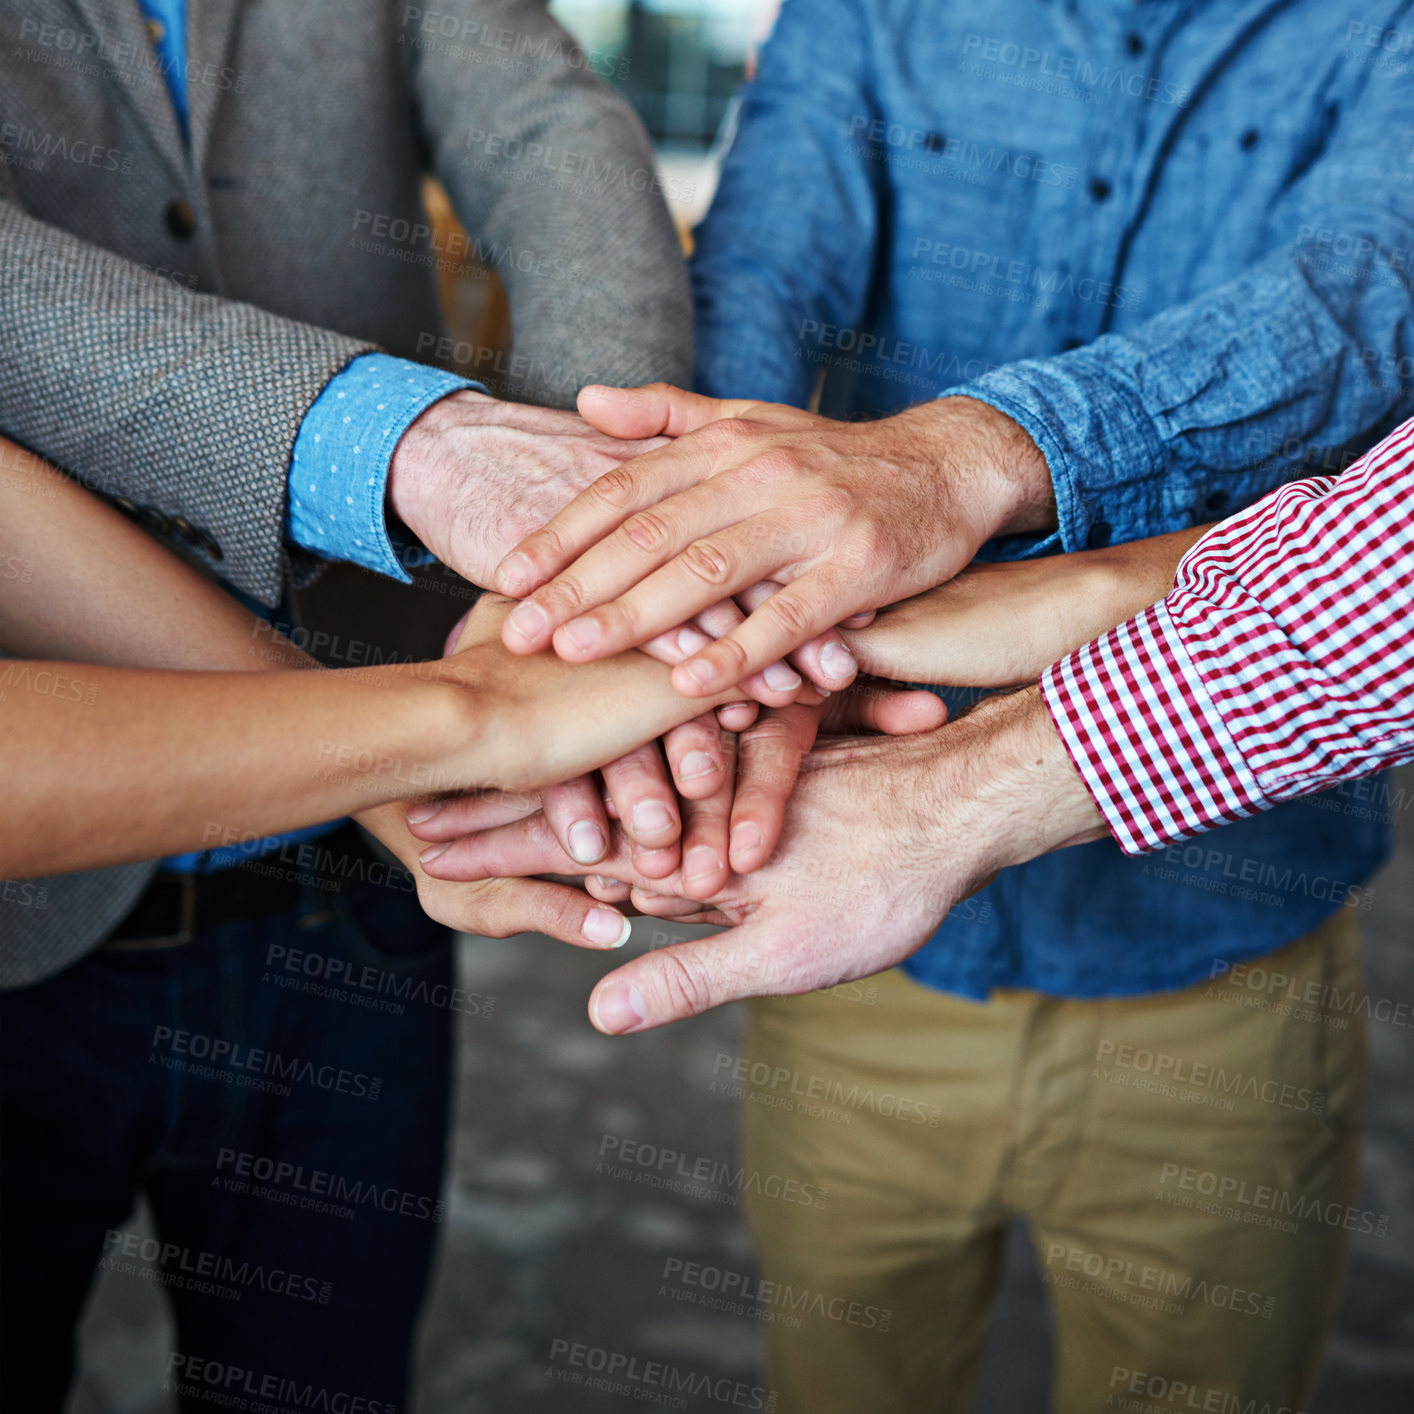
(82, 582)
(107, 765)
(996, 625)
(1020, 794)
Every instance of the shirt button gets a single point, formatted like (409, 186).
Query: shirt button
(128, 508)
(1133, 44)
(1250, 139)
(1218, 502)
(156, 31)
(1100, 189)
(1099, 535)
(935, 142)
(1071, 343)
(180, 219)
(182, 528)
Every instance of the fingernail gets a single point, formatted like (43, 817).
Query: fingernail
(515, 574)
(428, 855)
(695, 763)
(781, 678)
(701, 673)
(584, 633)
(421, 814)
(692, 640)
(605, 928)
(604, 883)
(619, 1008)
(651, 817)
(701, 862)
(745, 838)
(529, 620)
(837, 662)
(587, 842)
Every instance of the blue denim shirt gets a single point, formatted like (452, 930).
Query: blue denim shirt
(1175, 242)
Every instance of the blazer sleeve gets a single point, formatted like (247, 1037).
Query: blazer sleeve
(553, 176)
(184, 403)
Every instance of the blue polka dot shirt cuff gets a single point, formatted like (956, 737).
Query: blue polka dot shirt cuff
(339, 470)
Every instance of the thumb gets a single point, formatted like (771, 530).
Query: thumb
(671, 984)
(891, 711)
(658, 409)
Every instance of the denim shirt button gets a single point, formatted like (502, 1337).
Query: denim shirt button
(1099, 535)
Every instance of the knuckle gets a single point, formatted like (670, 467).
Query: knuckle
(685, 987)
(727, 653)
(775, 467)
(726, 434)
(834, 505)
(559, 914)
(562, 598)
(708, 562)
(647, 532)
(871, 549)
(790, 614)
(617, 488)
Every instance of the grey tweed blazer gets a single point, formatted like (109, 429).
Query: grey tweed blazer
(168, 312)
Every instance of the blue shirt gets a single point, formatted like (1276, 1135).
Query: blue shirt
(1174, 240)
(339, 469)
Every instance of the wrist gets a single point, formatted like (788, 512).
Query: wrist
(428, 731)
(1023, 796)
(424, 453)
(1008, 479)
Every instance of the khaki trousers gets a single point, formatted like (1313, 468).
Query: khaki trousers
(1186, 1163)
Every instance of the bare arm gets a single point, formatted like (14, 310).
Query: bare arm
(997, 625)
(106, 764)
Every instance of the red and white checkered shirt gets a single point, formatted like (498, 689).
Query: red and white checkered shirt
(1281, 663)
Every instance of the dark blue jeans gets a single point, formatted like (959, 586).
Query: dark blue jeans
(279, 1090)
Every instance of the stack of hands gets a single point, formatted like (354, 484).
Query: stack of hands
(771, 556)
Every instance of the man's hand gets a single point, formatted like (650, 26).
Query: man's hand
(999, 625)
(473, 475)
(733, 821)
(847, 516)
(882, 837)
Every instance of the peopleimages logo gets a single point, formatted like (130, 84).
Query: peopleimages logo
(235, 1387)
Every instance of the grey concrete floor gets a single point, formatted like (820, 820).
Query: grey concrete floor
(540, 1247)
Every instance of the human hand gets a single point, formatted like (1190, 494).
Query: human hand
(473, 475)
(847, 515)
(882, 837)
(996, 625)
(500, 908)
(733, 822)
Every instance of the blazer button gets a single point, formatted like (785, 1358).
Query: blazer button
(182, 528)
(205, 542)
(181, 220)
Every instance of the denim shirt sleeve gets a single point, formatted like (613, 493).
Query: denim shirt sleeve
(339, 470)
(789, 243)
(1288, 369)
